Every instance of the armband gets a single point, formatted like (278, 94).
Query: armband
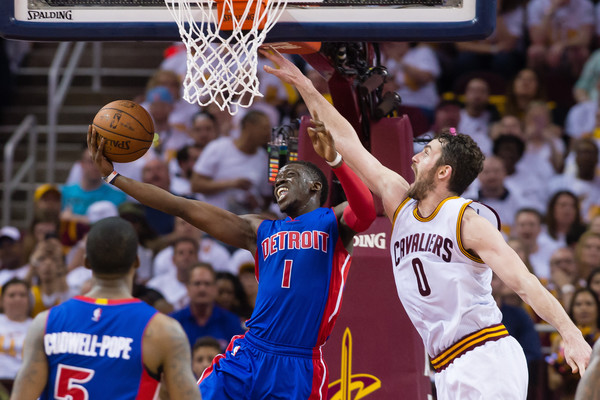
(111, 177)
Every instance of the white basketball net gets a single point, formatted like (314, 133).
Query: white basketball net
(222, 69)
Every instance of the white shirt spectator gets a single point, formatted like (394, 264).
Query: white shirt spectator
(175, 292)
(540, 260)
(581, 119)
(423, 58)
(567, 19)
(239, 258)
(477, 128)
(210, 251)
(221, 160)
(534, 191)
(12, 339)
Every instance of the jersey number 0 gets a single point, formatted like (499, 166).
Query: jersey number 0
(422, 283)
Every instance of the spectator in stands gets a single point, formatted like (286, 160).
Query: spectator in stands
(160, 103)
(585, 313)
(149, 240)
(204, 351)
(544, 149)
(582, 119)
(156, 172)
(490, 189)
(204, 129)
(173, 285)
(202, 317)
(48, 270)
(11, 254)
(14, 322)
(564, 276)
(209, 250)
(593, 281)
(181, 115)
(586, 87)
(525, 88)
(43, 226)
(594, 225)
(501, 51)
(528, 228)
(476, 116)
(583, 183)
(507, 125)
(181, 169)
(561, 32)
(47, 198)
(77, 197)
(247, 277)
(563, 218)
(520, 325)
(413, 69)
(510, 149)
(232, 173)
(446, 116)
(231, 295)
(587, 253)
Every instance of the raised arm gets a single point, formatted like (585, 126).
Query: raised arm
(221, 224)
(385, 183)
(359, 212)
(167, 349)
(33, 374)
(479, 236)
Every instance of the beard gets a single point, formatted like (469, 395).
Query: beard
(421, 187)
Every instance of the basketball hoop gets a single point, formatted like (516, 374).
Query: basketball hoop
(222, 38)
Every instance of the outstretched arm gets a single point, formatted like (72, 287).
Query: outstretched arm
(221, 224)
(360, 212)
(385, 183)
(485, 240)
(33, 375)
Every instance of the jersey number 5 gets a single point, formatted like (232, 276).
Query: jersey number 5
(422, 283)
(68, 381)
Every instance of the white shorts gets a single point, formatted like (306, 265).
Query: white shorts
(496, 370)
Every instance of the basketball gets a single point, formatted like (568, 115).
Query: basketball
(127, 128)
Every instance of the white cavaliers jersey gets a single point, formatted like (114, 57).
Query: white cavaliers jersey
(445, 290)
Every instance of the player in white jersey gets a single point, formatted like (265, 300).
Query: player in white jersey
(442, 252)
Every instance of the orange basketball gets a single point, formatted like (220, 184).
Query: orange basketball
(127, 128)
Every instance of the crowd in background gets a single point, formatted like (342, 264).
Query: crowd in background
(528, 95)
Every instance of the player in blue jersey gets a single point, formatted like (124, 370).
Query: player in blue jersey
(107, 344)
(301, 266)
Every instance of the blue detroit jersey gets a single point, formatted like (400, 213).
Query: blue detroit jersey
(94, 350)
(302, 267)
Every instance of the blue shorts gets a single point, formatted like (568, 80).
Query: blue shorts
(254, 369)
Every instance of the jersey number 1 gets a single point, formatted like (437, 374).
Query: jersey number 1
(68, 381)
(287, 274)
(422, 283)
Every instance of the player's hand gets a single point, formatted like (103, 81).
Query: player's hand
(286, 70)
(97, 152)
(322, 140)
(577, 354)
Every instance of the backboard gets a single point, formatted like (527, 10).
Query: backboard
(303, 20)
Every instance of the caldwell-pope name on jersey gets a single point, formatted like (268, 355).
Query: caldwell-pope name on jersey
(285, 240)
(432, 243)
(85, 344)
